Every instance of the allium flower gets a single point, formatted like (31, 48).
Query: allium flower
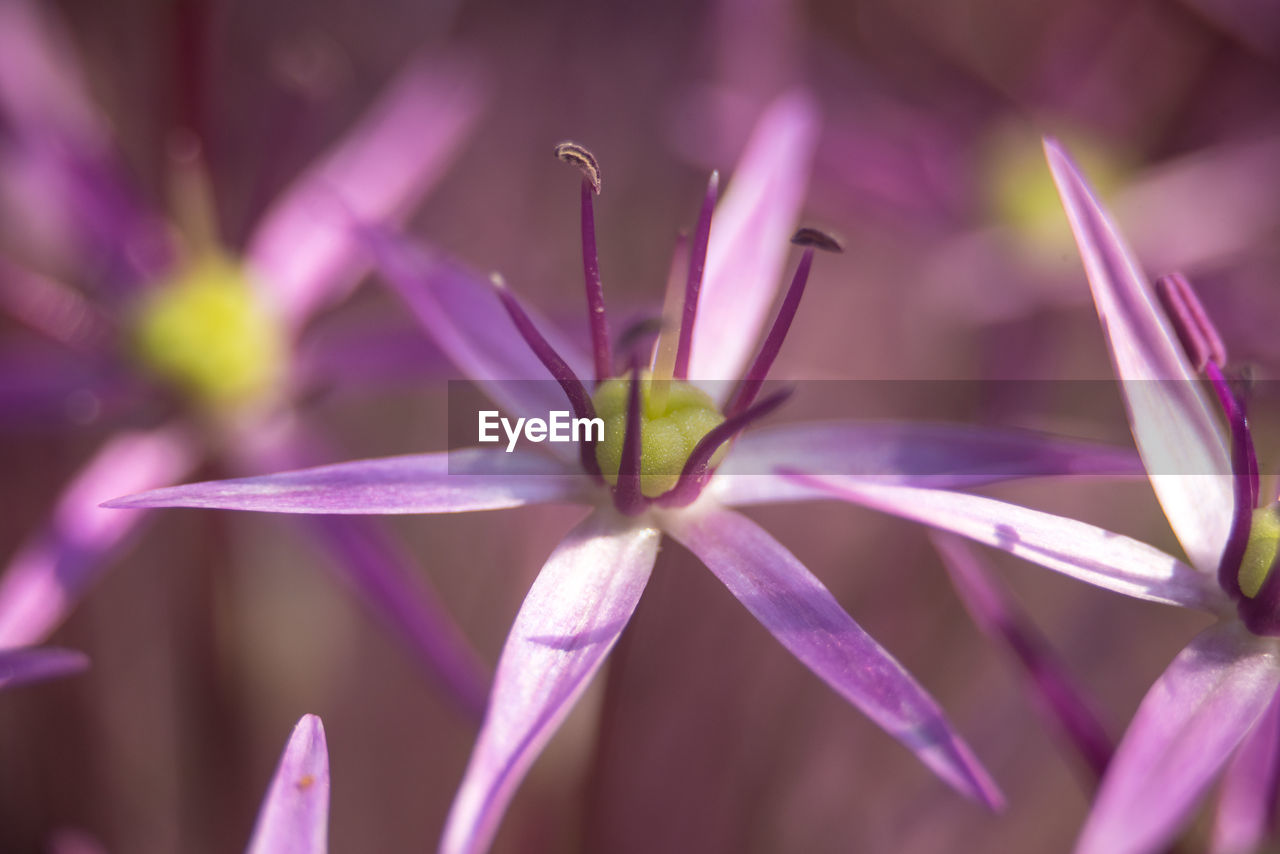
(658, 471)
(1219, 694)
(162, 321)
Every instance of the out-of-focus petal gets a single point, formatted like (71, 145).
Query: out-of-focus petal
(1247, 805)
(372, 357)
(1183, 733)
(68, 841)
(750, 240)
(48, 574)
(35, 664)
(294, 818)
(1181, 443)
(466, 319)
(1102, 558)
(575, 611)
(805, 618)
(304, 251)
(1053, 689)
(922, 454)
(450, 482)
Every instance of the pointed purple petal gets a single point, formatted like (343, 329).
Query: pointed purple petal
(936, 455)
(466, 319)
(304, 250)
(1183, 733)
(1177, 433)
(750, 240)
(456, 482)
(805, 618)
(34, 664)
(1088, 553)
(294, 818)
(1247, 805)
(573, 615)
(49, 573)
(1055, 692)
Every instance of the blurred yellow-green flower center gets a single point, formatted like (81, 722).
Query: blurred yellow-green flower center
(674, 415)
(1260, 553)
(208, 332)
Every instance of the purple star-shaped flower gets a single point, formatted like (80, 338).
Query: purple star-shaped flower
(1219, 694)
(658, 471)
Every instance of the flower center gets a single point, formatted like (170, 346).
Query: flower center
(208, 333)
(672, 421)
(1261, 550)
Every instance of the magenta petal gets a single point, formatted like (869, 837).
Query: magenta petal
(1176, 431)
(1247, 805)
(750, 239)
(49, 573)
(467, 321)
(34, 664)
(451, 482)
(578, 606)
(1183, 733)
(1085, 552)
(304, 250)
(922, 454)
(294, 817)
(805, 618)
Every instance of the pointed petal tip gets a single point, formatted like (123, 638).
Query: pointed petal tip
(295, 812)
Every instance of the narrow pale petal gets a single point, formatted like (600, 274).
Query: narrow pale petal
(750, 240)
(464, 316)
(573, 615)
(294, 817)
(449, 482)
(922, 454)
(304, 251)
(34, 664)
(1189, 723)
(805, 618)
(1180, 440)
(49, 573)
(1247, 805)
(1088, 553)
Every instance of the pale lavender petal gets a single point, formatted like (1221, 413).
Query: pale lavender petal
(1054, 691)
(49, 573)
(467, 321)
(1181, 442)
(805, 618)
(750, 240)
(67, 841)
(304, 250)
(1247, 804)
(1189, 723)
(35, 664)
(918, 453)
(1088, 553)
(371, 357)
(294, 818)
(578, 606)
(449, 482)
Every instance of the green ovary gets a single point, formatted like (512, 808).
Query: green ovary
(208, 332)
(1260, 553)
(673, 418)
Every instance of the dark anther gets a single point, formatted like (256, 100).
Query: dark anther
(817, 239)
(578, 155)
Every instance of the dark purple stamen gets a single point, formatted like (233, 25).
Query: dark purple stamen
(811, 239)
(585, 161)
(697, 470)
(558, 367)
(1199, 337)
(693, 285)
(627, 496)
(1261, 614)
(1244, 465)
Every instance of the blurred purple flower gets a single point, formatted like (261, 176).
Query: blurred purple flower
(294, 818)
(164, 318)
(34, 664)
(1219, 694)
(585, 594)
